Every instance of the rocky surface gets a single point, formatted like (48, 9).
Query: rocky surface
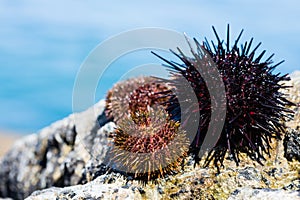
(101, 188)
(293, 94)
(60, 155)
(254, 194)
(67, 158)
(243, 182)
(292, 138)
(291, 144)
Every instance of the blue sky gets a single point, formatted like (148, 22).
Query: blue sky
(43, 43)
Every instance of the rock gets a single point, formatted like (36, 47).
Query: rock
(193, 183)
(293, 95)
(92, 180)
(97, 189)
(254, 194)
(292, 145)
(292, 138)
(59, 155)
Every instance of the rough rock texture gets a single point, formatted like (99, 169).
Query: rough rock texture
(57, 156)
(292, 145)
(71, 153)
(293, 94)
(254, 194)
(292, 138)
(101, 188)
(243, 182)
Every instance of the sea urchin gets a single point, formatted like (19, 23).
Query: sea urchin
(149, 150)
(135, 95)
(255, 107)
(147, 143)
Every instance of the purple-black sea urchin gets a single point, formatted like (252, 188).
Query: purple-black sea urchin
(149, 150)
(255, 108)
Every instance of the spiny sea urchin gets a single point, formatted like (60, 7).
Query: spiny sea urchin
(129, 97)
(117, 100)
(147, 143)
(150, 150)
(255, 108)
(142, 98)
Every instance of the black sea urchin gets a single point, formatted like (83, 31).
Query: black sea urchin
(255, 108)
(150, 150)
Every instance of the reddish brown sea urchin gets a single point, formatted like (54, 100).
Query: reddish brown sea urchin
(146, 144)
(129, 97)
(142, 98)
(117, 100)
(255, 107)
(150, 150)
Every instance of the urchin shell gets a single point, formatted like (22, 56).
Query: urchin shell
(255, 108)
(150, 150)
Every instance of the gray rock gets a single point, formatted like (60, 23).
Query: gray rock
(190, 185)
(97, 189)
(291, 144)
(265, 194)
(59, 155)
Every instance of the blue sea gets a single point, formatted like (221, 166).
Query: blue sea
(44, 44)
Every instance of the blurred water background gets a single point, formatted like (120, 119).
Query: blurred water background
(43, 43)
